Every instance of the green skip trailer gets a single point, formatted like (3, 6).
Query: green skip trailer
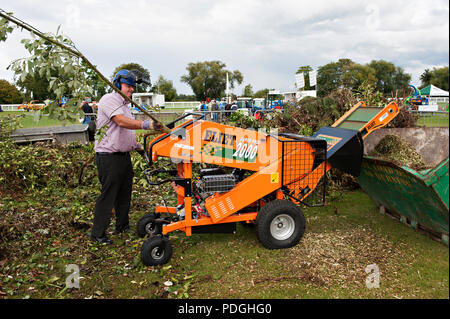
(418, 199)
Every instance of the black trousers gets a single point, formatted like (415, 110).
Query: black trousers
(115, 173)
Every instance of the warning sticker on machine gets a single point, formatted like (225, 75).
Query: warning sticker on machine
(186, 147)
(274, 178)
(383, 117)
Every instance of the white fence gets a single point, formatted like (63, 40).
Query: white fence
(436, 99)
(14, 107)
(10, 107)
(182, 105)
(169, 105)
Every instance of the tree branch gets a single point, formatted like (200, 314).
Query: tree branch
(80, 55)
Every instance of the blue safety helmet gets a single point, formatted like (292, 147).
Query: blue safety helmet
(124, 76)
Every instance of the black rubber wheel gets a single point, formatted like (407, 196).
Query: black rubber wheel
(280, 224)
(147, 226)
(156, 251)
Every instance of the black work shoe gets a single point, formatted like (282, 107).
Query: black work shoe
(102, 240)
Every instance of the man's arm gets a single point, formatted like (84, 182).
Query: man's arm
(133, 124)
(126, 122)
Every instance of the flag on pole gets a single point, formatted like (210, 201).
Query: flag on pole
(300, 80)
(312, 78)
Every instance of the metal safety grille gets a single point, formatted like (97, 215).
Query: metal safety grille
(304, 170)
(209, 185)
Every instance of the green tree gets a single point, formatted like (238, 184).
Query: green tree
(441, 78)
(342, 74)
(141, 88)
(438, 77)
(163, 86)
(355, 75)
(389, 77)
(305, 70)
(185, 97)
(328, 78)
(9, 94)
(261, 93)
(425, 78)
(248, 91)
(345, 73)
(211, 76)
(36, 84)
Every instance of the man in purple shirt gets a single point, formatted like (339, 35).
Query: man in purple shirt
(115, 171)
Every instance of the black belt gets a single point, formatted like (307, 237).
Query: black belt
(113, 153)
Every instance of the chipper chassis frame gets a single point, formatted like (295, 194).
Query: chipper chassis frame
(284, 170)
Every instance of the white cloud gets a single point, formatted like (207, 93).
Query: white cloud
(266, 40)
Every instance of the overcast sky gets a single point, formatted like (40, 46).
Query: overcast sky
(266, 40)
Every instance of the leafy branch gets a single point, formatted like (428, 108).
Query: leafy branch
(64, 66)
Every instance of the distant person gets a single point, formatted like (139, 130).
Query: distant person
(227, 108)
(89, 119)
(214, 109)
(88, 111)
(203, 107)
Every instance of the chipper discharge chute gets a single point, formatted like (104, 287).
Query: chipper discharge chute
(257, 177)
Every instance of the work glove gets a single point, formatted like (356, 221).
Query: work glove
(157, 126)
(147, 125)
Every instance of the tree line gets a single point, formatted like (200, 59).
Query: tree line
(208, 80)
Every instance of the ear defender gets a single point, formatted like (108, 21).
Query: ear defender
(124, 76)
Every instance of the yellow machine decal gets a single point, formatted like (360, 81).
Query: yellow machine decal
(274, 178)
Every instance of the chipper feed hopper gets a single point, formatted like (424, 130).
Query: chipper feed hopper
(253, 177)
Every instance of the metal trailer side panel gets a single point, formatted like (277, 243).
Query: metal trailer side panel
(405, 192)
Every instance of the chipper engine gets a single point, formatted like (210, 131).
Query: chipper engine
(253, 177)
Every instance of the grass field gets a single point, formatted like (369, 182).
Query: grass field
(28, 119)
(436, 120)
(341, 240)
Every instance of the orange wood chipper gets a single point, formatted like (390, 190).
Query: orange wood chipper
(253, 177)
